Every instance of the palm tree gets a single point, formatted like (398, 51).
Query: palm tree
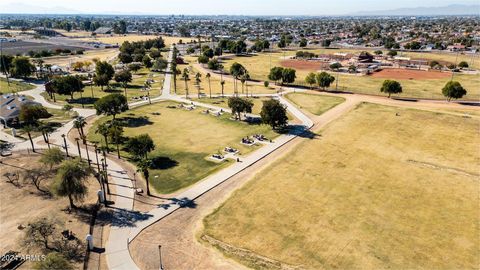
(222, 83)
(79, 124)
(197, 82)
(71, 178)
(103, 129)
(28, 129)
(143, 167)
(46, 129)
(39, 63)
(116, 132)
(185, 78)
(209, 86)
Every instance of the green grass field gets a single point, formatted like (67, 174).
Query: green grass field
(259, 66)
(375, 191)
(184, 140)
(14, 86)
(134, 89)
(314, 104)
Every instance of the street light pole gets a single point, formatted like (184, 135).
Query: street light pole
(96, 154)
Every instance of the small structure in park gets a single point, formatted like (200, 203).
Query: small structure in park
(104, 30)
(248, 141)
(10, 106)
(43, 31)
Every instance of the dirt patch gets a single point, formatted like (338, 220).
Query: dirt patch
(303, 64)
(409, 74)
(22, 203)
(249, 257)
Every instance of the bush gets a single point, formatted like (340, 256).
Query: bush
(53, 261)
(266, 83)
(67, 107)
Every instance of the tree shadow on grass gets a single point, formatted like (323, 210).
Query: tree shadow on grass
(133, 122)
(298, 130)
(113, 90)
(163, 163)
(83, 100)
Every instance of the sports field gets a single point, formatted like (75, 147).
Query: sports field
(184, 140)
(259, 65)
(382, 187)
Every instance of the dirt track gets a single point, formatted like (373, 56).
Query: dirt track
(303, 64)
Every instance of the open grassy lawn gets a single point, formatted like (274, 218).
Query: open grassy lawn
(257, 104)
(258, 67)
(14, 86)
(223, 102)
(375, 191)
(134, 89)
(314, 104)
(89, 55)
(184, 140)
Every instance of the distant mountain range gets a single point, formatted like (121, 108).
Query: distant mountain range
(20, 8)
(455, 9)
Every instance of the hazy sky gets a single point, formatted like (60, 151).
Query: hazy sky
(237, 7)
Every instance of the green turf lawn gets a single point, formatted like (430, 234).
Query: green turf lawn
(315, 104)
(134, 89)
(14, 86)
(258, 67)
(184, 140)
(381, 188)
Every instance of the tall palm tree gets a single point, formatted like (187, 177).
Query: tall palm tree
(197, 82)
(185, 78)
(245, 78)
(79, 124)
(70, 180)
(103, 129)
(29, 129)
(209, 86)
(116, 132)
(222, 83)
(143, 167)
